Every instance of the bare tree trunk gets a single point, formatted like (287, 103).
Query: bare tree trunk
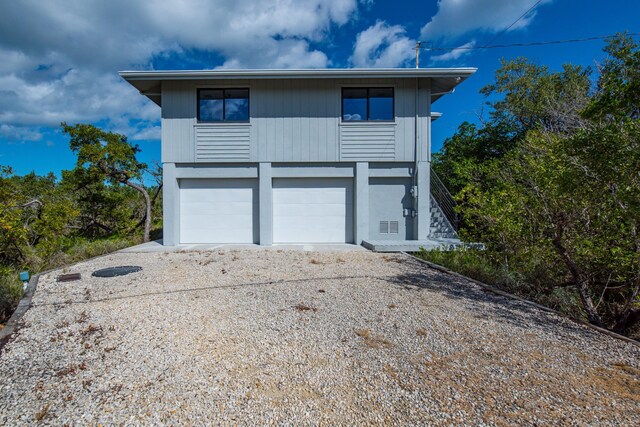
(147, 201)
(33, 202)
(155, 196)
(15, 245)
(99, 225)
(587, 302)
(153, 203)
(581, 282)
(629, 314)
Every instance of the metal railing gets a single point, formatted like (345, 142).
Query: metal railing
(444, 199)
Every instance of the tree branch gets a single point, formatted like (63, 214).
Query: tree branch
(32, 202)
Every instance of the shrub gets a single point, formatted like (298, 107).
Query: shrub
(80, 249)
(10, 293)
(533, 280)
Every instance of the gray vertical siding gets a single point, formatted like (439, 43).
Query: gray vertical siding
(424, 122)
(178, 119)
(293, 120)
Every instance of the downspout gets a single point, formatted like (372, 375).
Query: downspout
(414, 183)
(415, 173)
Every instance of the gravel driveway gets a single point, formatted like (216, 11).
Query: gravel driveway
(255, 337)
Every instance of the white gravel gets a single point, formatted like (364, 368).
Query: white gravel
(259, 337)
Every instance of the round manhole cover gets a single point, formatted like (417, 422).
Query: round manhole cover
(116, 271)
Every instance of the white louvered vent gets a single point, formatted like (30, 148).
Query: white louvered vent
(223, 143)
(389, 227)
(371, 140)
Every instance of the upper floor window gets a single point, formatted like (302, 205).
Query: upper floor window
(223, 105)
(367, 104)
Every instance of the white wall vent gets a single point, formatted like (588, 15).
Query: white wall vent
(389, 227)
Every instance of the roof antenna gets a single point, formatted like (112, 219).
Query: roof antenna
(418, 54)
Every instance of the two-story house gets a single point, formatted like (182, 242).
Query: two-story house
(296, 156)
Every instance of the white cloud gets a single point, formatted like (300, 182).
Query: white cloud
(282, 54)
(119, 33)
(458, 17)
(454, 54)
(76, 95)
(147, 133)
(382, 45)
(19, 133)
(60, 57)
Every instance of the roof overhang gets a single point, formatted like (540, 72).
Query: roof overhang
(443, 80)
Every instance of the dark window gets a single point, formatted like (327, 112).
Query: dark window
(354, 104)
(367, 104)
(381, 104)
(223, 105)
(210, 105)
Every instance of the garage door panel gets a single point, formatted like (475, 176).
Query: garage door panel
(218, 211)
(219, 222)
(224, 235)
(207, 183)
(220, 195)
(316, 221)
(310, 196)
(313, 210)
(327, 210)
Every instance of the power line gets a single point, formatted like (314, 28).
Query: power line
(513, 23)
(586, 39)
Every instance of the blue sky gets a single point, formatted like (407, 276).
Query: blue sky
(59, 59)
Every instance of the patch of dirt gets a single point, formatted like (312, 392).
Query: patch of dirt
(371, 340)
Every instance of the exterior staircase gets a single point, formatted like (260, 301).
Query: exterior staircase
(441, 228)
(444, 218)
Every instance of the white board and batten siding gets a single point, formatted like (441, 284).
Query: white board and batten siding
(313, 210)
(218, 211)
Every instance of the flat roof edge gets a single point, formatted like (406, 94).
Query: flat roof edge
(298, 73)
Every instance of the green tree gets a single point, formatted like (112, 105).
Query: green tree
(529, 97)
(551, 180)
(110, 156)
(618, 89)
(47, 211)
(34, 212)
(104, 209)
(524, 97)
(12, 232)
(558, 200)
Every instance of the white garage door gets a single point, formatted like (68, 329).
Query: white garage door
(218, 211)
(313, 210)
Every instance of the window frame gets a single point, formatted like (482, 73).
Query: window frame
(367, 120)
(224, 105)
